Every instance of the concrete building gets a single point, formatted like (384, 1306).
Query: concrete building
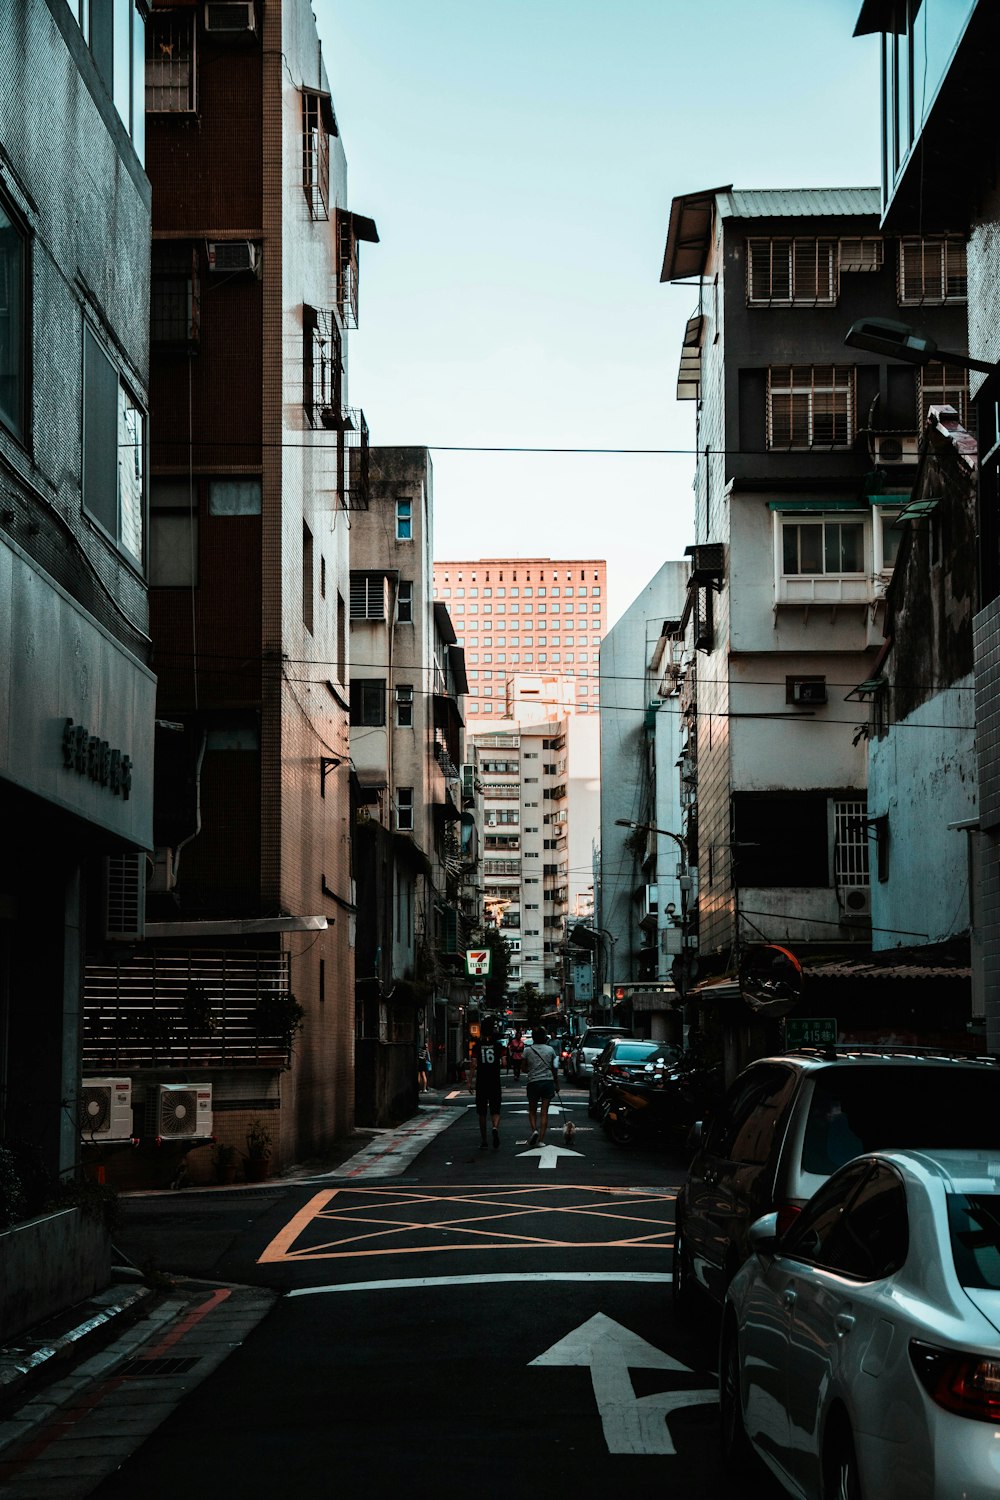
(244, 986)
(532, 630)
(809, 452)
(407, 749)
(78, 704)
(940, 165)
(644, 894)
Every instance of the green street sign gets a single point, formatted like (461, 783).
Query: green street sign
(810, 1031)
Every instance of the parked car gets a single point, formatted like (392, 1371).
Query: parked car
(590, 1045)
(860, 1350)
(624, 1060)
(789, 1122)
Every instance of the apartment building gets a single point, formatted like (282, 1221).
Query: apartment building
(808, 451)
(244, 985)
(532, 630)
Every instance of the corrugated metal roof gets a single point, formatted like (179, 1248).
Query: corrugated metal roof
(779, 203)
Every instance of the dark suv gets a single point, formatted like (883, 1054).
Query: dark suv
(789, 1122)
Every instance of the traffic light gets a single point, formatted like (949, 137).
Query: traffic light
(619, 992)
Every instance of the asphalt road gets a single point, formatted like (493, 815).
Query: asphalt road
(487, 1319)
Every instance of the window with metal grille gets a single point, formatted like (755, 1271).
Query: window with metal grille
(322, 366)
(404, 705)
(347, 270)
(316, 153)
(175, 294)
(822, 546)
(810, 406)
(367, 596)
(932, 270)
(368, 701)
(170, 63)
(850, 848)
(791, 271)
(864, 254)
(943, 385)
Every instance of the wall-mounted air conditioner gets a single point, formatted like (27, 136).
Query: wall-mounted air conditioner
(231, 19)
(808, 690)
(232, 256)
(105, 1109)
(896, 448)
(856, 904)
(179, 1111)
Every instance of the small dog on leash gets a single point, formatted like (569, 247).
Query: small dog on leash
(569, 1131)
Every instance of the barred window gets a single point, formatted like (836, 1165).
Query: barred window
(316, 118)
(170, 63)
(175, 294)
(810, 406)
(368, 701)
(932, 270)
(322, 366)
(791, 271)
(943, 385)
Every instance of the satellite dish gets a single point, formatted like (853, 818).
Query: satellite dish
(770, 980)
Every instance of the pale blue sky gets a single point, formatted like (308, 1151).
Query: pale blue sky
(519, 158)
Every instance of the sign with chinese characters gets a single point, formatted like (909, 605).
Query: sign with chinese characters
(810, 1031)
(88, 755)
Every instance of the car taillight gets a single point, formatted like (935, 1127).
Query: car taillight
(617, 1071)
(967, 1384)
(787, 1214)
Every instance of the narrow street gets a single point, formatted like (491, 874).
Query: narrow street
(486, 1318)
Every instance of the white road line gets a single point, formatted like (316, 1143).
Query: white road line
(492, 1278)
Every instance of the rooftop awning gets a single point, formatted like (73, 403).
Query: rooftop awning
(238, 927)
(364, 229)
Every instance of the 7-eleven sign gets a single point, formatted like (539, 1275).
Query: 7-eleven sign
(477, 962)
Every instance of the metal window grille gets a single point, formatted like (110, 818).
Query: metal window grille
(932, 270)
(315, 156)
(864, 254)
(175, 295)
(347, 270)
(810, 406)
(850, 859)
(322, 367)
(791, 271)
(944, 385)
(170, 63)
(368, 596)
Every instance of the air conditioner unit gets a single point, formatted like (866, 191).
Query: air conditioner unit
(231, 19)
(179, 1111)
(896, 448)
(809, 690)
(856, 904)
(231, 256)
(105, 1109)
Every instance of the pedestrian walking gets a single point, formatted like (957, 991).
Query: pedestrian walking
(486, 1081)
(540, 1069)
(516, 1051)
(422, 1067)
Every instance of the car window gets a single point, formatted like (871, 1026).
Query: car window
(745, 1129)
(806, 1238)
(974, 1222)
(872, 1237)
(633, 1051)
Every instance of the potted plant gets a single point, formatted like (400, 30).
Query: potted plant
(258, 1153)
(224, 1162)
(278, 1015)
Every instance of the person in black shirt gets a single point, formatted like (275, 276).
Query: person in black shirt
(486, 1080)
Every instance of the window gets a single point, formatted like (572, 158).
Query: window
(175, 295)
(367, 596)
(13, 343)
(404, 809)
(932, 270)
(810, 406)
(308, 574)
(864, 254)
(341, 637)
(822, 546)
(317, 117)
(404, 520)
(766, 854)
(114, 450)
(404, 602)
(173, 534)
(170, 63)
(404, 705)
(943, 385)
(322, 366)
(791, 271)
(745, 1129)
(368, 701)
(234, 497)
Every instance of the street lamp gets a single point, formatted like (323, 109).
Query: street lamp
(680, 978)
(898, 341)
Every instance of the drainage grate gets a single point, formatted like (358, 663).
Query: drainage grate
(163, 1366)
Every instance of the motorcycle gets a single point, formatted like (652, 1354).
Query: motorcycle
(663, 1105)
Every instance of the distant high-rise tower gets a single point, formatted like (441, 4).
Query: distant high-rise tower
(532, 629)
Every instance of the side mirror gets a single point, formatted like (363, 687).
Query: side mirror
(763, 1235)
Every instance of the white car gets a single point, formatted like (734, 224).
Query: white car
(860, 1351)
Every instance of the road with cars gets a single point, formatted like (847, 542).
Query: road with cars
(487, 1319)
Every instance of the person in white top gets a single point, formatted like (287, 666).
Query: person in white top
(540, 1065)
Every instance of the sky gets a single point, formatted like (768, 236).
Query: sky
(519, 158)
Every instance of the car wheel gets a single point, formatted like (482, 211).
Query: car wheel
(841, 1479)
(683, 1286)
(737, 1454)
(622, 1132)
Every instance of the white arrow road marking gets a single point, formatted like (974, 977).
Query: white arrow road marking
(549, 1155)
(632, 1424)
